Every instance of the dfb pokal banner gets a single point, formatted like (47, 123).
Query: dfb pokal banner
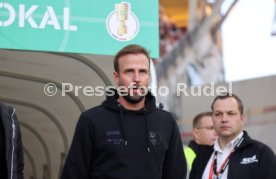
(79, 26)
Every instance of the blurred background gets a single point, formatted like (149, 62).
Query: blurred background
(203, 43)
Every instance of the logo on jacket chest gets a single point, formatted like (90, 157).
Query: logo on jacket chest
(114, 137)
(249, 160)
(112, 132)
(155, 138)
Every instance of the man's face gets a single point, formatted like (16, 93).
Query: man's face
(134, 75)
(228, 121)
(205, 133)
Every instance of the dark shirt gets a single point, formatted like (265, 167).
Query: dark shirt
(193, 145)
(3, 165)
(113, 142)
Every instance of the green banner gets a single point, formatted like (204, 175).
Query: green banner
(79, 26)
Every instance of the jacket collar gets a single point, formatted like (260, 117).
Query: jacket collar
(246, 140)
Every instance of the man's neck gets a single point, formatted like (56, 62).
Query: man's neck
(224, 141)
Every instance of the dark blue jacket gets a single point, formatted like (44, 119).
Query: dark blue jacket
(13, 144)
(111, 142)
(252, 160)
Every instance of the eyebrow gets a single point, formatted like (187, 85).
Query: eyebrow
(141, 69)
(218, 111)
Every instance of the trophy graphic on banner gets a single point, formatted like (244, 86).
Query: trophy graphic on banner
(122, 11)
(121, 23)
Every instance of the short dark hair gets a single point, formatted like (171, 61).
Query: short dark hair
(229, 95)
(129, 49)
(198, 118)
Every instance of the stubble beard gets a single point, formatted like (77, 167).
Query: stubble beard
(133, 99)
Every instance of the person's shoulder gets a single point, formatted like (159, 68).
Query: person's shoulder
(260, 145)
(6, 110)
(97, 112)
(164, 113)
(93, 110)
(256, 146)
(5, 107)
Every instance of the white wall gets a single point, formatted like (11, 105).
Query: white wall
(248, 46)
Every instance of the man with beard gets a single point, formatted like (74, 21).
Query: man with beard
(127, 137)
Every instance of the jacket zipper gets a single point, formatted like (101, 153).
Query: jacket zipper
(13, 137)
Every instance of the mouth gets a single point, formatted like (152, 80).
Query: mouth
(137, 90)
(134, 90)
(224, 127)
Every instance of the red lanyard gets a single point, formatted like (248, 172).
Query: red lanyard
(213, 168)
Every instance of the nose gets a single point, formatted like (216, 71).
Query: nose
(224, 118)
(136, 77)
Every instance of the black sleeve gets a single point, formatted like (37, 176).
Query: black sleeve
(193, 171)
(267, 164)
(203, 154)
(175, 163)
(19, 151)
(78, 161)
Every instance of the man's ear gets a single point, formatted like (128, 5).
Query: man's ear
(116, 77)
(243, 117)
(195, 133)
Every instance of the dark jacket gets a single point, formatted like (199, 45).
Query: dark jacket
(13, 144)
(111, 142)
(194, 146)
(252, 160)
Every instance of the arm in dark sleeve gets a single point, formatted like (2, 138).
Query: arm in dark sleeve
(175, 163)
(267, 164)
(204, 152)
(19, 152)
(193, 171)
(78, 161)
